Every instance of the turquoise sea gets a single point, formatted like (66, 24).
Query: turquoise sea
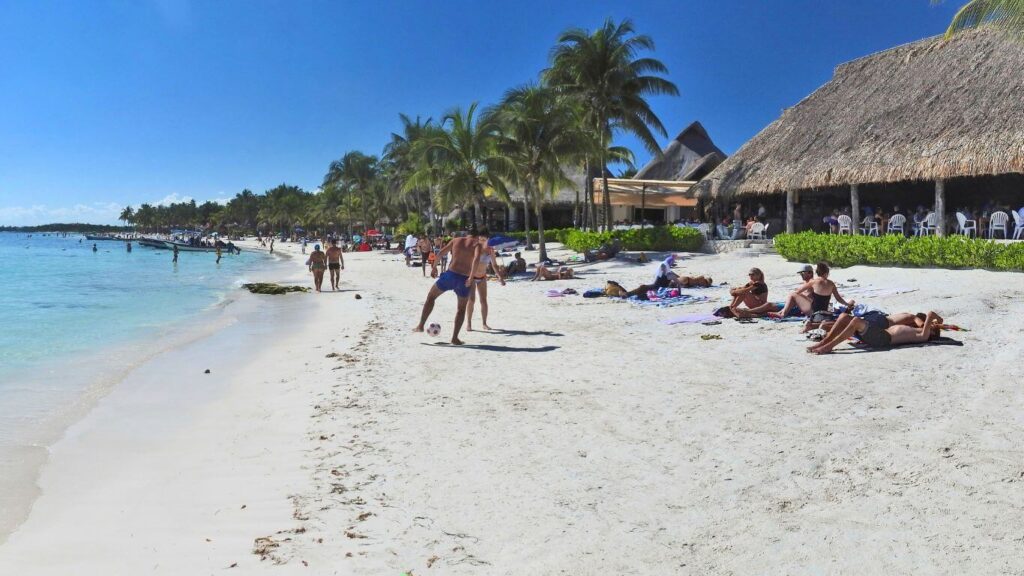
(70, 316)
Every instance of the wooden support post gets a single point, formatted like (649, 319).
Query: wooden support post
(643, 205)
(790, 224)
(855, 208)
(940, 208)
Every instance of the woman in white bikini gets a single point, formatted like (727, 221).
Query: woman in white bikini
(487, 258)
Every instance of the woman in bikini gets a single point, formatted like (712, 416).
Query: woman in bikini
(317, 264)
(753, 296)
(487, 259)
(813, 296)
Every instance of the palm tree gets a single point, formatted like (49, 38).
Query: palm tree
(538, 135)
(401, 155)
(127, 215)
(602, 69)
(353, 172)
(1007, 14)
(461, 159)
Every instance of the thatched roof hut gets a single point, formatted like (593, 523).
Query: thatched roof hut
(935, 109)
(690, 156)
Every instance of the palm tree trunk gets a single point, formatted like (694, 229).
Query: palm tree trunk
(588, 197)
(362, 206)
(606, 200)
(540, 225)
(526, 216)
(476, 210)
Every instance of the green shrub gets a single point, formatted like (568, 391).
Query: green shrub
(657, 238)
(893, 250)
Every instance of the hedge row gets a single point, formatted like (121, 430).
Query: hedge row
(657, 238)
(550, 235)
(932, 251)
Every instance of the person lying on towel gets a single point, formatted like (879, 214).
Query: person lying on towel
(879, 331)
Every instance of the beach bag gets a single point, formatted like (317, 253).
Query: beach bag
(614, 289)
(723, 312)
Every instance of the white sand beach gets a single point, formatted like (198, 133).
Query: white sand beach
(583, 437)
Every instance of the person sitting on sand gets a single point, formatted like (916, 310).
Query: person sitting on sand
(875, 335)
(664, 276)
(517, 266)
(545, 273)
(812, 296)
(753, 296)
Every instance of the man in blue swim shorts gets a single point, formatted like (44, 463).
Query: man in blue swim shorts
(465, 253)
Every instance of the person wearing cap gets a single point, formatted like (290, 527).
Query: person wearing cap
(317, 265)
(806, 273)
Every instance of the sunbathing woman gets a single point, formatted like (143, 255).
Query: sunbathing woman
(815, 295)
(753, 295)
(925, 327)
(544, 273)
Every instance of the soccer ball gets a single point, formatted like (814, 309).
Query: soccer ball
(434, 329)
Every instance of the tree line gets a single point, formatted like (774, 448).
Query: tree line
(595, 89)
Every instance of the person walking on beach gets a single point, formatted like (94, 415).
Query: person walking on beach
(336, 262)
(423, 245)
(317, 264)
(465, 253)
(271, 245)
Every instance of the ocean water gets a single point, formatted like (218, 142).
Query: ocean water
(71, 317)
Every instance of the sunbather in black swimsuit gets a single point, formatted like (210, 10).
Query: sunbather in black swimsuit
(819, 302)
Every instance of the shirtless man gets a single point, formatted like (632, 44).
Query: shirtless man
(882, 331)
(336, 263)
(465, 253)
(423, 245)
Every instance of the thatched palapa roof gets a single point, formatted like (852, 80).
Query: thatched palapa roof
(933, 109)
(690, 156)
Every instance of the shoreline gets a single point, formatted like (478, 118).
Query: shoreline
(29, 446)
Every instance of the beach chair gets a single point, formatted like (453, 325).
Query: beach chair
(927, 225)
(845, 223)
(965, 226)
(1018, 229)
(896, 224)
(869, 226)
(766, 225)
(997, 222)
(705, 229)
(756, 231)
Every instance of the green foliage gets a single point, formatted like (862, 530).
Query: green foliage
(657, 238)
(893, 250)
(413, 225)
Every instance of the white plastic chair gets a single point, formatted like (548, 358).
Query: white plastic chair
(756, 231)
(766, 225)
(997, 222)
(1018, 230)
(966, 227)
(928, 224)
(845, 223)
(705, 229)
(869, 226)
(896, 224)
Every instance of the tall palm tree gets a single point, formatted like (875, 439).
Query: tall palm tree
(462, 161)
(604, 71)
(538, 135)
(1007, 14)
(127, 215)
(401, 155)
(353, 172)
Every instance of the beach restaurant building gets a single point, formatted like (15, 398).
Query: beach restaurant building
(937, 123)
(659, 193)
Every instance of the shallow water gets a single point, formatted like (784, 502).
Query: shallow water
(72, 320)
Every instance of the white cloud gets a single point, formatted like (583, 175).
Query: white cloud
(173, 198)
(95, 213)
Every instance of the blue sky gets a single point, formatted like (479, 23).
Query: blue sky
(109, 103)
